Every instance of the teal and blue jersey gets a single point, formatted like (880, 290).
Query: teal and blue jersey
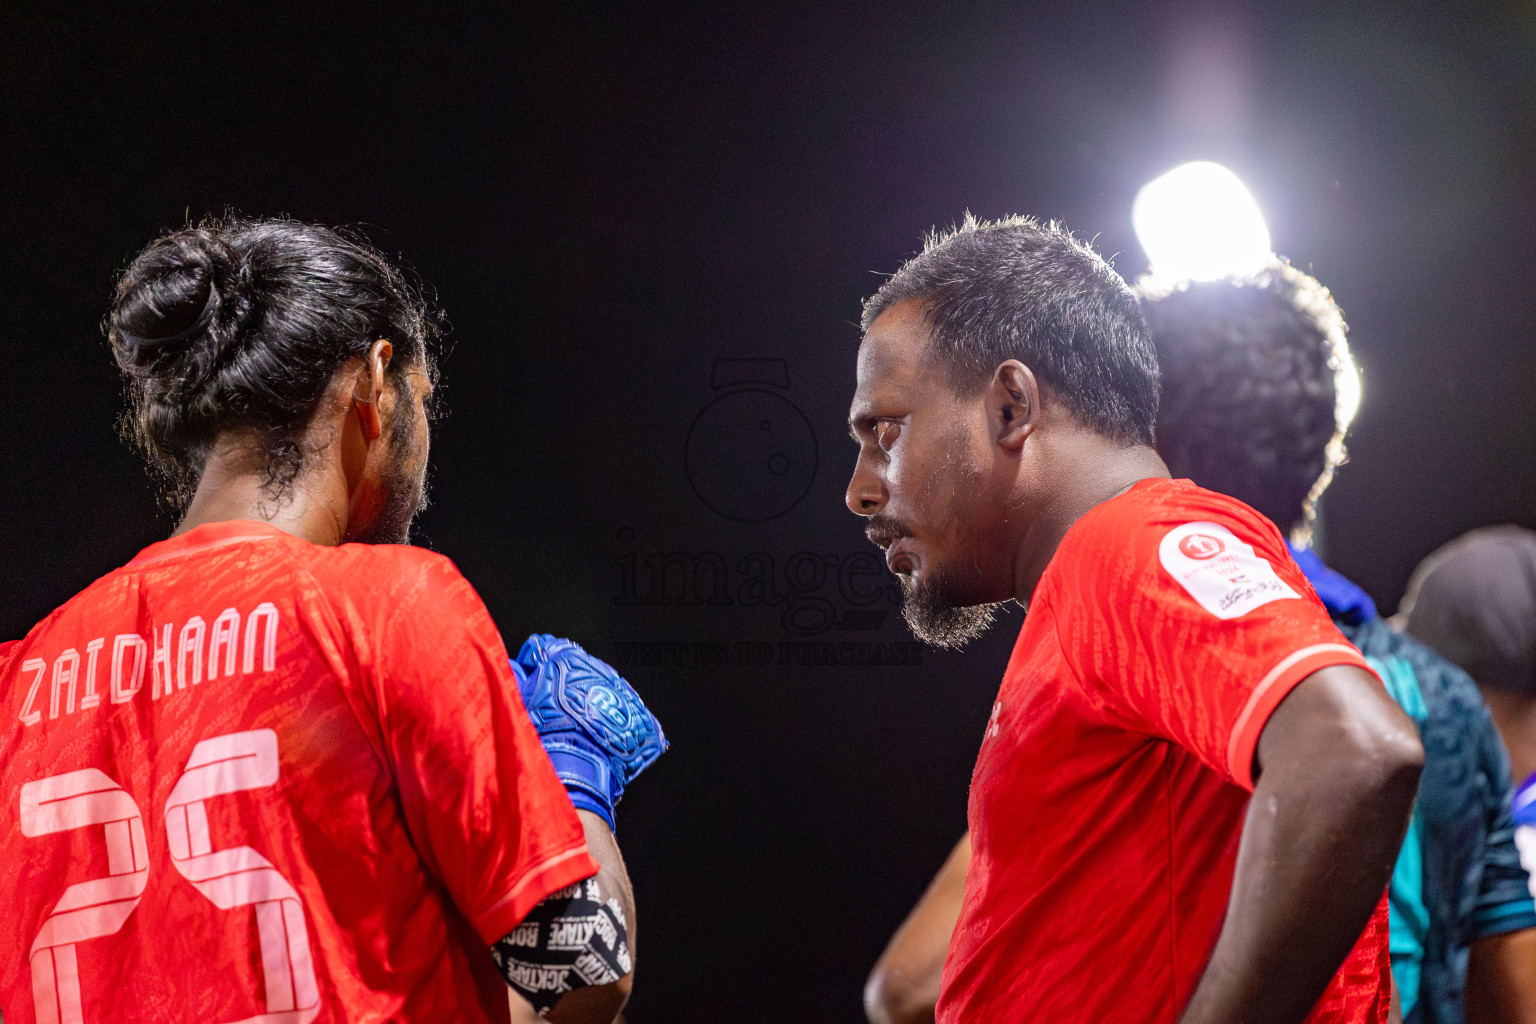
(1458, 877)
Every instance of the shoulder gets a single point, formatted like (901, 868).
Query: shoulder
(409, 612)
(104, 592)
(1151, 509)
(1165, 531)
(393, 581)
(388, 566)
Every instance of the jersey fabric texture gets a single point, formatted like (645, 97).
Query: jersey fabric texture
(1113, 780)
(247, 778)
(1459, 876)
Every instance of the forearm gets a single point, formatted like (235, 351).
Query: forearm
(1295, 911)
(1318, 847)
(904, 986)
(573, 955)
(600, 1004)
(1501, 979)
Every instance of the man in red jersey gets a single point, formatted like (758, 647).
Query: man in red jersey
(276, 769)
(1192, 790)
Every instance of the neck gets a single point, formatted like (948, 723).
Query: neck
(1091, 469)
(233, 486)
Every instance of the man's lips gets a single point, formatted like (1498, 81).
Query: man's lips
(900, 559)
(896, 541)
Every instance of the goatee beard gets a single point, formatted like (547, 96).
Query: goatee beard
(937, 621)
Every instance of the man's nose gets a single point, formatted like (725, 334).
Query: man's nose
(866, 493)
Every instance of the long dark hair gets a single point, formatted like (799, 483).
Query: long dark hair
(240, 324)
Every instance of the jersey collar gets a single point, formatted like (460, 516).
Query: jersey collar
(206, 536)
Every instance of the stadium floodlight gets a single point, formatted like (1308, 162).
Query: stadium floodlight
(1198, 222)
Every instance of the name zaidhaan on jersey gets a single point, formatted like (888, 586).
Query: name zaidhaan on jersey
(231, 645)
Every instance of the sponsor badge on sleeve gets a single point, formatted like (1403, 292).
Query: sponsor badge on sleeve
(1226, 576)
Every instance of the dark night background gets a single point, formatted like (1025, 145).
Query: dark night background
(651, 231)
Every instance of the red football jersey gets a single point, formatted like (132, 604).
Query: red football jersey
(247, 778)
(1113, 780)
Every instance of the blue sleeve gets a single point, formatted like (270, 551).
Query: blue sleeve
(1504, 901)
(1474, 885)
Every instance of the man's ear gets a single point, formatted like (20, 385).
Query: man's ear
(369, 389)
(1013, 404)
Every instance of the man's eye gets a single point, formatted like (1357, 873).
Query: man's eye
(886, 434)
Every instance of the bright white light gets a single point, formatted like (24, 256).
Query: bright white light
(1199, 223)
(1346, 383)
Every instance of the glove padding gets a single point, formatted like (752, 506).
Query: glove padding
(594, 727)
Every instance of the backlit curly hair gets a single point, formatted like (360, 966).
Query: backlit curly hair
(1258, 388)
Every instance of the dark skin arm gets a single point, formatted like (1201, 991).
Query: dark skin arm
(904, 985)
(596, 1004)
(1501, 979)
(1338, 766)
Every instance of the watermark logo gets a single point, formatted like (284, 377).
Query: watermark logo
(751, 457)
(751, 453)
(809, 593)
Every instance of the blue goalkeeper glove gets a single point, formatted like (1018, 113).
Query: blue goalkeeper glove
(593, 725)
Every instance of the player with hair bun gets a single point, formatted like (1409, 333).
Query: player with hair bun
(278, 767)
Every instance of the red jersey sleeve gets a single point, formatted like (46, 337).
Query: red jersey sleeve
(1189, 621)
(481, 800)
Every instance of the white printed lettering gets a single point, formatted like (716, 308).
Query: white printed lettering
(121, 693)
(266, 612)
(161, 667)
(191, 642)
(66, 669)
(89, 909)
(535, 978)
(570, 933)
(605, 930)
(173, 657)
(226, 630)
(230, 878)
(29, 715)
(239, 876)
(91, 698)
(594, 970)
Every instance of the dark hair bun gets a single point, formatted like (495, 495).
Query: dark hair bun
(240, 325)
(167, 299)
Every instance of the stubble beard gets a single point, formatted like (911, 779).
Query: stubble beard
(932, 606)
(405, 494)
